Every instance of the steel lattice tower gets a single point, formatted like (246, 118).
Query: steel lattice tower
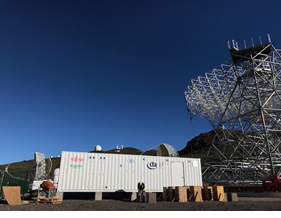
(242, 101)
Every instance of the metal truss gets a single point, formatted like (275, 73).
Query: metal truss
(242, 101)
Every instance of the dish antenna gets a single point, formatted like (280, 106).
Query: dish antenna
(165, 149)
(241, 100)
(40, 170)
(42, 167)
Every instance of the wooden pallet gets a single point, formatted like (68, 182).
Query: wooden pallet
(47, 201)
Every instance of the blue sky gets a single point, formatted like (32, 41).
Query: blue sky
(76, 74)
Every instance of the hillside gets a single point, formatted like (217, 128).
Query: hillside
(23, 169)
(196, 148)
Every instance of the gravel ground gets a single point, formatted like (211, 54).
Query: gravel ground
(244, 204)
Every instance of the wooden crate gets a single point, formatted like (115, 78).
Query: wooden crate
(165, 193)
(47, 200)
(180, 194)
(171, 193)
(207, 193)
(218, 193)
(195, 194)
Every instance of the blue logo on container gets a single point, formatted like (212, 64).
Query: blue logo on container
(152, 165)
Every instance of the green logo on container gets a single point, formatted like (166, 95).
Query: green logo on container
(76, 159)
(75, 166)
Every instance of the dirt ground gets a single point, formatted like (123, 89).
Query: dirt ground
(243, 204)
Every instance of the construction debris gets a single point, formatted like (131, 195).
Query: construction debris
(48, 200)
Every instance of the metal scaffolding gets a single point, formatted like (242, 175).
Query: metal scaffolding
(242, 101)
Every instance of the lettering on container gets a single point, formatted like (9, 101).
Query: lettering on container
(76, 159)
(152, 165)
(161, 165)
(75, 166)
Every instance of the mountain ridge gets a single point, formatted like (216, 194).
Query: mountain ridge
(195, 148)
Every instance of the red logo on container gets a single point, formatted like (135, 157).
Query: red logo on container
(76, 159)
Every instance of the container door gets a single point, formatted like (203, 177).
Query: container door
(177, 173)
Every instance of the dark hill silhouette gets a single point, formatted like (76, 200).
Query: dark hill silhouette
(128, 150)
(195, 148)
(19, 169)
(200, 142)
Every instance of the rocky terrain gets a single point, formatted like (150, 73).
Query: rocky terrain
(243, 204)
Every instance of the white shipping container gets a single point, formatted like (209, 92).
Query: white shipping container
(100, 172)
